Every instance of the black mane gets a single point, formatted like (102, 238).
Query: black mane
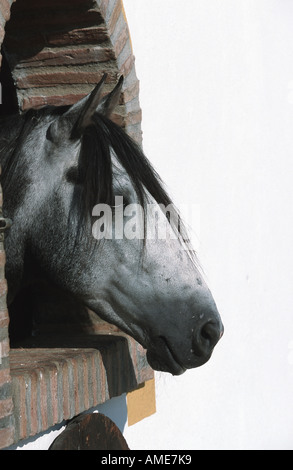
(14, 130)
(95, 165)
(94, 173)
(95, 168)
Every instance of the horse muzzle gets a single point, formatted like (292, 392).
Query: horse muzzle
(167, 355)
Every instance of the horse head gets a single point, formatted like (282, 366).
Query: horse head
(89, 220)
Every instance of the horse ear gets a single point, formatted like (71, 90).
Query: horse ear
(93, 103)
(110, 101)
(79, 115)
(86, 108)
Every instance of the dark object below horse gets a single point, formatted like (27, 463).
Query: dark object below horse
(64, 169)
(90, 432)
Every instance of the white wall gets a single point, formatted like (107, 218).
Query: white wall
(217, 100)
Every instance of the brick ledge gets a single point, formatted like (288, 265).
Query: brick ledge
(67, 376)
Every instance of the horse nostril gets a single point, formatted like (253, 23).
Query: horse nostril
(209, 335)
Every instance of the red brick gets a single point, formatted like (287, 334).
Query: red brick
(2, 33)
(126, 68)
(76, 392)
(4, 314)
(4, 322)
(131, 92)
(85, 370)
(103, 5)
(118, 119)
(5, 9)
(56, 100)
(121, 40)
(79, 36)
(22, 408)
(6, 407)
(103, 382)
(135, 134)
(114, 17)
(2, 258)
(66, 390)
(4, 348)
(54, 394)
(6, 437)
(31, 4)
(80, 368)
(129, 120)
(44, 399)
(74, 56)
(3, 287)
(38, 368)
(94, 385)
(43, 79)
(34, 425)
(133, 118)
(4, 376)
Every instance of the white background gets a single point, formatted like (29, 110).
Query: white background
(216, 83)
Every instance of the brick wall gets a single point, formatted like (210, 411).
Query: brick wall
(6, 404)
(57, 50)
(52, 384)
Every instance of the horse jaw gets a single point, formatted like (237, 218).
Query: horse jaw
(161, 300)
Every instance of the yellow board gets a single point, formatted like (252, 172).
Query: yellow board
(141, 403)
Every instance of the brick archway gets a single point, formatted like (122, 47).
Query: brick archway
(56, 51)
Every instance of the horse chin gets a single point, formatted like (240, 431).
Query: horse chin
(161, 358)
